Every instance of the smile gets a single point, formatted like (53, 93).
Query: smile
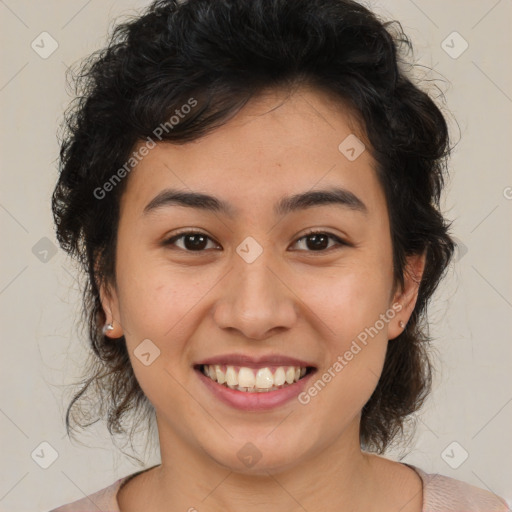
(254, 380)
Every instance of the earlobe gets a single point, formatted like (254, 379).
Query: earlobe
(109, 303)
(107, 328)
(408, 295)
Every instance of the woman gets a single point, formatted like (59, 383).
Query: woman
(253, 190)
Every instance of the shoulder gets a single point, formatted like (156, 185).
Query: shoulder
(446, 494)
(104, 500)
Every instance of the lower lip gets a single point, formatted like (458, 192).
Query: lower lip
(254, 401)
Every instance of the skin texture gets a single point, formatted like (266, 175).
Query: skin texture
(291, 300)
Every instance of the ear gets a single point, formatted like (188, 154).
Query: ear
(110, 304)
(406, 297)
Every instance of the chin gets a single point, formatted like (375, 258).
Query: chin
(258, 457)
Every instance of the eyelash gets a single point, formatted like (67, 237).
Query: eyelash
(181, 235)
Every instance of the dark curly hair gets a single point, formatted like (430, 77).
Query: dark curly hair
(222, 53)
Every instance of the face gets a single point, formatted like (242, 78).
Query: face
(240, 280)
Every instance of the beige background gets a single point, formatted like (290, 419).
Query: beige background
(471, 315)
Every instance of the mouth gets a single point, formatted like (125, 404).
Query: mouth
(250, 379)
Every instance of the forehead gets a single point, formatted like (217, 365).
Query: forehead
(278, 144)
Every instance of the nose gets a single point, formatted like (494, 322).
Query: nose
(255, 301)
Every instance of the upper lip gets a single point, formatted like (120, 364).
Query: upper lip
(255, 362)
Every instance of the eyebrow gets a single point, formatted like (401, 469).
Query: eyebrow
(337, 196)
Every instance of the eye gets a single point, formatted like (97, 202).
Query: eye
(197, 241)
(193, 241)
(318, 241)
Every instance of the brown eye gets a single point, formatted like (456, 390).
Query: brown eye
(318, 241)
(191, 241)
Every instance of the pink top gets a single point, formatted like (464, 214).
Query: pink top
(440, 494)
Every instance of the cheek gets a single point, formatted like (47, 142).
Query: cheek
(155, 298)
(349, 298)
(354, 338)
(158, 305)
(352, 311)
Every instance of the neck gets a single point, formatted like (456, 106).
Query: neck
(339, 478)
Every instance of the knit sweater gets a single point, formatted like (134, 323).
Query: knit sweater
(440, 494)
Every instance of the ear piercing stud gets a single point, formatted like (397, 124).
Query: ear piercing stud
(107, 328)
(401, 324)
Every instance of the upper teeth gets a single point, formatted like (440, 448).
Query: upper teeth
(247, 379)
